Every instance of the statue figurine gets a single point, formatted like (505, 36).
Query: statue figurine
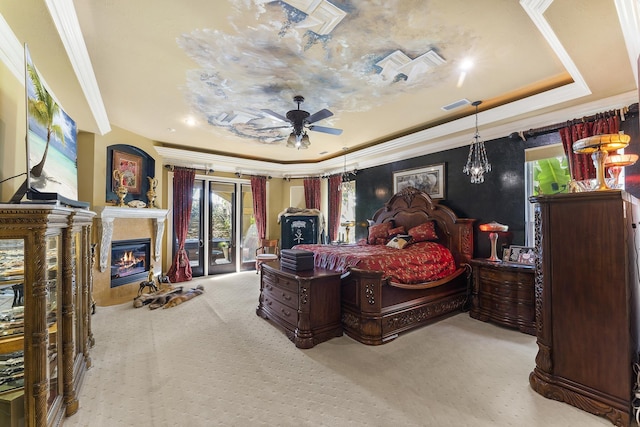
(151, 194)
(121, 190)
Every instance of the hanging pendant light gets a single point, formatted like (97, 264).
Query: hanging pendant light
(345, 176)
(477, 162)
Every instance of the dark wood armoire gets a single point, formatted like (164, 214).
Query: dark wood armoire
(587, 301)
(299, 229)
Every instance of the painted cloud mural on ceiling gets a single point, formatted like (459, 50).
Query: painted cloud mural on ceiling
(339, 55)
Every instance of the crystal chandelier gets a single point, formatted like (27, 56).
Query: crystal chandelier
(345, 175)
(477, 163)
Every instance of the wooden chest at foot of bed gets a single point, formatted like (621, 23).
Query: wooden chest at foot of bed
(305, 303)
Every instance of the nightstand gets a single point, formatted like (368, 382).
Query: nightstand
(503, 293)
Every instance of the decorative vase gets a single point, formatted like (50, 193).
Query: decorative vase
(151, 194)
(121, 190)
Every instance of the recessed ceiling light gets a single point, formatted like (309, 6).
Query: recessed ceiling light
(190, 121)
(466, 64)
(171, 129)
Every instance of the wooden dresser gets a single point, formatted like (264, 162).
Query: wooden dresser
(503, 293)
(305, 303)
(588, 301)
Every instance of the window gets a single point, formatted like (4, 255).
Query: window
(546, 172)
(346, 231)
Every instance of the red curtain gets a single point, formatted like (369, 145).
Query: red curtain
(335, 205)
(183, 179)
(581, 165)
(312, 193)
(259, 192)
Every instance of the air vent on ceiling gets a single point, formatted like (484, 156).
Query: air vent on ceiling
(456, 104)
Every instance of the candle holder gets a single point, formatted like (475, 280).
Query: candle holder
(493, 228)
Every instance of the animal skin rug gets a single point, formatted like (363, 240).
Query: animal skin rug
(167, 297)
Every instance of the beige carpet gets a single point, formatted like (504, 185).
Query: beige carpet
(212, 362)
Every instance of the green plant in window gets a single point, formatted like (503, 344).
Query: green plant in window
(551, 176)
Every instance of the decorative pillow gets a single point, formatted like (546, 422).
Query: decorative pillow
(398, 242)
(379, 231)
(397, 230)
(424, 232)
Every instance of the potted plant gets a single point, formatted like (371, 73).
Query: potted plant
(225, 249)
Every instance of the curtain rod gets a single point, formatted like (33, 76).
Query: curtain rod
(630, 111)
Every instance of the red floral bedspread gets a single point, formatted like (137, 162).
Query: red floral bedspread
(416, 263)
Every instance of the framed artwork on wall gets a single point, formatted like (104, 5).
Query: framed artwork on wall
(429, 179)
(131, 170)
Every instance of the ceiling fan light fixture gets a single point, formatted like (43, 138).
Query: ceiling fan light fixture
(291, 141)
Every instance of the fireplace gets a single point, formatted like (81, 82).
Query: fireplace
(130, 261)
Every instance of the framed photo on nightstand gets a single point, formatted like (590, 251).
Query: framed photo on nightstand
(519, 255)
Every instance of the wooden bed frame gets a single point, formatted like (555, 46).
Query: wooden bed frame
(375, 310)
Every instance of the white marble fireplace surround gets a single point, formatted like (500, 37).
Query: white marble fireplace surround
(106, 216)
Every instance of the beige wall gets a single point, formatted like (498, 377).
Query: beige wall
(13, 151)
(92, 163)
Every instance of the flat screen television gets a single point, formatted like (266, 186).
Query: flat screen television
(51, 144)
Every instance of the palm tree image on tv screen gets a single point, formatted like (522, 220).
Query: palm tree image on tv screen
(51, 139)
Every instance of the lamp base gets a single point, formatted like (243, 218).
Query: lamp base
(494, 256)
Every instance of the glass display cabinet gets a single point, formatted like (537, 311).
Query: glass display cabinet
(45, 332)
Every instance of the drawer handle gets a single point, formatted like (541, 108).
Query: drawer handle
(269, 287)
(285, 312)
(285, 296)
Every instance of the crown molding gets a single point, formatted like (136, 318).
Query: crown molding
(65, 19)
(629, 16)
(11, 51)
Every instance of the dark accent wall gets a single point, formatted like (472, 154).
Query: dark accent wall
(500, 198)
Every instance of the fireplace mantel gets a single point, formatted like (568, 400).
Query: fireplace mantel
(107, 214)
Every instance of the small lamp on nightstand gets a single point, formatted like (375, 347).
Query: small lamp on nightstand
(493, 228)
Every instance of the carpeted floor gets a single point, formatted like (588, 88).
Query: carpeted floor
(212, 362)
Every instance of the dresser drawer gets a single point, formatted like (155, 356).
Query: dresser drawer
(280, 293)
(280, 281)
(518, 291)
(287, 314)
(507, 309)
(499, 275)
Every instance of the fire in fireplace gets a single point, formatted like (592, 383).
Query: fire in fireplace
(130, 261)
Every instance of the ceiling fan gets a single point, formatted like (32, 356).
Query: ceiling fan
(301, 120)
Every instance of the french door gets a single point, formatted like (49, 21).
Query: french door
(222, 236)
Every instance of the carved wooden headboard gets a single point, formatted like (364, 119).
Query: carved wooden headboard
(410, 207)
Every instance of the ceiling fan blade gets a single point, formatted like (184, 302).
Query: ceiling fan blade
(274, 114)
(276, 127)
(324, 129)
(322, 114)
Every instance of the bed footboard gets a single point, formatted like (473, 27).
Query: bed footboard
(373, 312)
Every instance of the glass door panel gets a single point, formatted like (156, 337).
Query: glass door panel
(12, 314)
(195, 235)
(52, 299)
(222, 241)
(249, 231)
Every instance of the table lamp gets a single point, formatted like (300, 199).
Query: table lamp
(615, 162)
(599, 146)
(493, 228)
(347, 225)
